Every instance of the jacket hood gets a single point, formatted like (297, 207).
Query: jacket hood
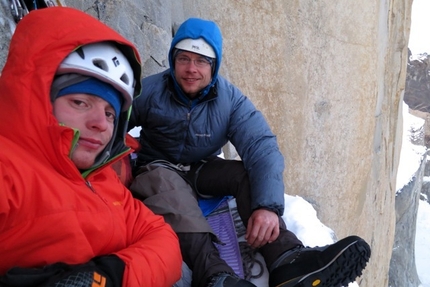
(41, 41)
(195, 28)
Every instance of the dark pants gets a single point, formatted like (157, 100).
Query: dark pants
(216, 177)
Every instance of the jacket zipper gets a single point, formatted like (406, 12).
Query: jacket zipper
(90, 186)
(88, 183)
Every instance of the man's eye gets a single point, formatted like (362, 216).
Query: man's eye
(201, 62)
(183, 60)
(78, 102)
(110, 115)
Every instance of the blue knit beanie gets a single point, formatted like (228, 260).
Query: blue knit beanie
(98, 88)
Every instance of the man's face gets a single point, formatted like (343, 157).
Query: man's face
(93, 117)
(191, 78)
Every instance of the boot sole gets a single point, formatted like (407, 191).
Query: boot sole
(343, 269)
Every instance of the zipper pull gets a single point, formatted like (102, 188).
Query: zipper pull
(90, 186)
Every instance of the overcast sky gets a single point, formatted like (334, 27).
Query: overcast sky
(419, 40)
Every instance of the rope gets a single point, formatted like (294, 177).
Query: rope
(248, 253)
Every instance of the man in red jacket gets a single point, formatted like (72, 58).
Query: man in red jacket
(65, 218)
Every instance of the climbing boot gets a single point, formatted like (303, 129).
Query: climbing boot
(228, 280)
(333, 265)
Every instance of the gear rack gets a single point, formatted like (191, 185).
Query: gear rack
(20, 8)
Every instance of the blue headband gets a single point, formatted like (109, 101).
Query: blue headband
(97, 88)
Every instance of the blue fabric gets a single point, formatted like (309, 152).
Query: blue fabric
(195, 28)
(95, 87)
(170, 131)
(210, 204)
(223, 225)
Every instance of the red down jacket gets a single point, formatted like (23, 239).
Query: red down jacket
(48, 212)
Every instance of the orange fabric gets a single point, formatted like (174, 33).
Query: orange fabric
(48, 211)
(132, 142)
(123, 167)
(123, 170)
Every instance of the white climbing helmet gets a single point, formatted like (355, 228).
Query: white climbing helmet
(198, 46)
(104, 61)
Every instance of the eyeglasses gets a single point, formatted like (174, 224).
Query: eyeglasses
(199, 62)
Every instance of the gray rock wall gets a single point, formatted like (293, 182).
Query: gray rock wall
(425, 191)
(328, 75)
(417, 92)
(402, 268)
(7, 27)
(417, 97)
(403, 271)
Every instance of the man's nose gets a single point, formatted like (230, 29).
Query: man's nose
(97, 119)
(192, 64)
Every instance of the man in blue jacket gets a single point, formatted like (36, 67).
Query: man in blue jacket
(187, 114)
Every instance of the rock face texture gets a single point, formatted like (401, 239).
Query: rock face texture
(417, 97)
(328, 75)
(403, 256)
(407, 201)
(417, 93)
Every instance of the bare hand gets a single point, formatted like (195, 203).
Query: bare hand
(263, 228)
